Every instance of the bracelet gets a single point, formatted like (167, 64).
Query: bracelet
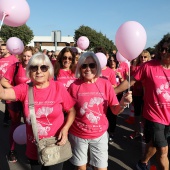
(123, 107)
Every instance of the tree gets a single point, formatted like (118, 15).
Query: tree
(24, 33)
(97, 39)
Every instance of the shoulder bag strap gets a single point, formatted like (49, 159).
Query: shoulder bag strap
(32, 113)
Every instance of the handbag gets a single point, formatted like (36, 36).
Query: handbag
(49, 153)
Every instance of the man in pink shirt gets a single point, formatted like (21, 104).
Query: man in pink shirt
(6, 60)
(155, 76)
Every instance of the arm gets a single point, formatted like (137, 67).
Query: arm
(126, 99)
(5, 83)
(124, 85)
(63, 136)
(7, 94)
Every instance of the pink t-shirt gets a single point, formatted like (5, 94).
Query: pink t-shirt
(66, 77)
(92, 101)
(124, 69)
(137, 88)
(5, 63)
(49, 104)
(109, 74)
(20, 77)
(157, 91)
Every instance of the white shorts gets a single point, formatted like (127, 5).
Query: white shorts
(96, 148)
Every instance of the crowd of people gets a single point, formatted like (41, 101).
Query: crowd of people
(77, 100)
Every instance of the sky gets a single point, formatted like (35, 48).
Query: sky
(104, 16)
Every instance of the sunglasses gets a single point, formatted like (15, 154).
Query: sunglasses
(43, 68)
(69, 58)
(166, 49)
(112, 60)
(90, 65)
(143, 57)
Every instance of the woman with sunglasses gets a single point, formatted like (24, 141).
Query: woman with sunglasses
(155, 78)
(16, 74)
(93, 95)
(50, 99)
(64, 69)
(137, 94)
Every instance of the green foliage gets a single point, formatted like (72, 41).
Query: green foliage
(97, 39)
(24, 33)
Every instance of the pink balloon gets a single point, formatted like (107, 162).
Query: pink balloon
(102, 59)
(17, 11)
(83, 42)
(130, 39)
(19, 135)
(120, 58)
(15, 45)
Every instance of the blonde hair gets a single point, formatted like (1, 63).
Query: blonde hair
(143, 53)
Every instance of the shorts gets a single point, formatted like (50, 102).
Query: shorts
(157, 133)
(97, 149)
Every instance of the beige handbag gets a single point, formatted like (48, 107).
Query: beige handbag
(48, 152)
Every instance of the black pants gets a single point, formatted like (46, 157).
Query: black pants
(36, 166)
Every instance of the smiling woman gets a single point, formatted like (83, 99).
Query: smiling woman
(93, 95)
(48, 95)
(64, 69)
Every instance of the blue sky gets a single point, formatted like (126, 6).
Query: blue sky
(104, 16)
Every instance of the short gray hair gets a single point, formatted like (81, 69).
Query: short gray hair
(81, 61)
(38, 59)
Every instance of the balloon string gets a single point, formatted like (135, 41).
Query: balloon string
(128, 78)
(4, 15)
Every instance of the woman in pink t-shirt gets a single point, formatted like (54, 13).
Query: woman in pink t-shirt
(50, 99)
(16, 74)
(64, 68)
(93, 95)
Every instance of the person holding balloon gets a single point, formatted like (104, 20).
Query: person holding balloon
(64, 69)
(16, 74)
(6, 60)
(155, 75)
(50, 99)
(93, 95)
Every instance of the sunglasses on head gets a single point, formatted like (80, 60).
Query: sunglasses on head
(143, 57)
(90, 65)
(166, 49)
(69, 58)
(43, 68)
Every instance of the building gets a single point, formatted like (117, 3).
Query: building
(53, 42)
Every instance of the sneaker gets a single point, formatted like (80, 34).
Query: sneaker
(142, 166)
(12, 156)
(135, 135)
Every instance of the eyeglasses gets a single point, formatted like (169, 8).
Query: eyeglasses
(143, 57)
(43, 68)
(69, 58)
(90, 65)
(166, 49)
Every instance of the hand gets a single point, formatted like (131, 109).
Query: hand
(62, 137)
(126, 99)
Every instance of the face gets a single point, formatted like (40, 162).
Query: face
(4, 51)
(39, 74)
(143, 58)
(112, 63)
(165, 55)
(88, 70)
(67, 60)
(26, 57)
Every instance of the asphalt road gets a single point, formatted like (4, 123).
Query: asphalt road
(124, 153)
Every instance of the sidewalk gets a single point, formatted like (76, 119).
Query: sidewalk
(124, 153)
